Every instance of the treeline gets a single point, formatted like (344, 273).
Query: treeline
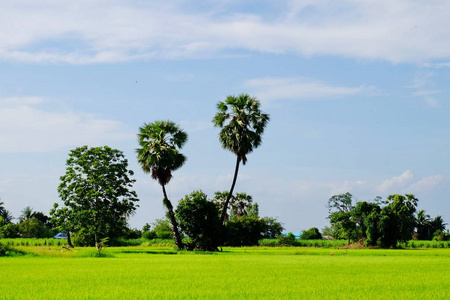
(97, 193)
(382, 223)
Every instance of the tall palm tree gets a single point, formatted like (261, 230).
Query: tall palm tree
(159, 155)
(242, 124)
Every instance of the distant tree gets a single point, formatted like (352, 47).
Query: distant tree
(423, 225)
(5, 214)
(340, 208)
(199, 220)
(242, 124)
(244, 231)
(162, 229)
(397, 220)
(311, 234)
(26, 214)
(96, 192)
(33, 228)
(366, 216)
(272, 228)
(159, 155)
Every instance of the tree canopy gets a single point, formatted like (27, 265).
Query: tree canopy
(97, 194)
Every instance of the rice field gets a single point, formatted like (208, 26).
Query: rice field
(236, 273)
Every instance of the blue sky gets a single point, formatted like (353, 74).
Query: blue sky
(357, 92)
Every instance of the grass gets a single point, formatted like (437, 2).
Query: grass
(236, 273)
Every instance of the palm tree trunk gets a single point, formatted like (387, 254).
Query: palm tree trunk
(173, 221)
(225, 206)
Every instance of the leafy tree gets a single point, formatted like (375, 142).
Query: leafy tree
(397, 220)
(311, 234)
(242, 124)
(244, 231)
(366, 216)
(96, 192)
(33, 228)
(162, 229)
(340, 210)
(199, 220)
(159, 155)
(272, 228)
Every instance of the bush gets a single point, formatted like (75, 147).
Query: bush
(244, 231)
(199, 220)
(149, 235)
(287, 240)
(311, 234)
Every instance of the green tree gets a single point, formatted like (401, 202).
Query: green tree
(397, 220)
(199, 220)
(26, 214)
(33, 228)
(311, 234)
(423, 225)
(5, 214)
(272, 228)
(340, 210)
(244, 231)
(96, 192)
(159, 155)
(242, 124)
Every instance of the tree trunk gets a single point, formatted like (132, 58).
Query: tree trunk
(173, 221)
(225, 206)
(69, 241)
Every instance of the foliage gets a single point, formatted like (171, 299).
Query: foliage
(272, 228)
(397, 220)
(242, 124)
(340, 208)
(159, 155)
(311, 234)
(382, 226)
(269, 273)
(199, 220)
(33, 228)
(96, 192)
(245, 231)
(5, 214)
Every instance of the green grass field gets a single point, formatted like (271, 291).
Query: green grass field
(236, 273)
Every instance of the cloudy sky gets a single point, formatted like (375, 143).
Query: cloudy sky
(357, 92)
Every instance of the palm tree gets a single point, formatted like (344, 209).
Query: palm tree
(27, 214)
(423, 223)
(242, 203)
(438, 224)
(159, 155)
(242, 124)
(5, 214)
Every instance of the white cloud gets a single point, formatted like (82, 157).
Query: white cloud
(426, 183)
(24, 127)
(269, 89)
(397, 182)
(106, 31)
(408, 183)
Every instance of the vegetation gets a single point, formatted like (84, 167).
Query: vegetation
(380, 223)
(97, 196)
(270, 273)
(242, 124)
(199, 221)
(159, 155)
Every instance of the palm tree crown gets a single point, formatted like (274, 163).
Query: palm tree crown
(159, 154)
(242, 124)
